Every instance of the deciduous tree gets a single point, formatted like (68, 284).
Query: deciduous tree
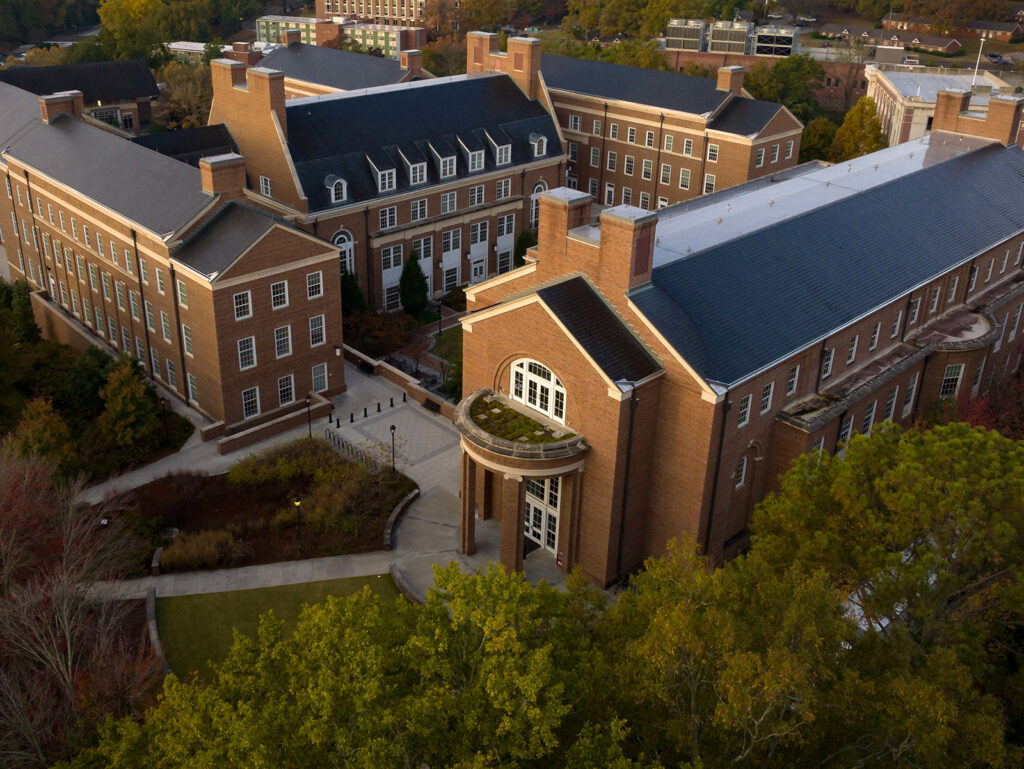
(23, 320)
(188, 93)
(816, 140)
(860, 133)
(43, 433)
(791, 81)
(129, 419)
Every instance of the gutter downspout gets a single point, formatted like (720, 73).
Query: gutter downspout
(657, 161)
(633, 401)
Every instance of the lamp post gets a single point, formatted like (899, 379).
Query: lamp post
(163, 415)
(309, 422)
(392, 448)
(297, 501)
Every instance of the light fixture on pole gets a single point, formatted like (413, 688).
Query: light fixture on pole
(392, 447)
(297, 501)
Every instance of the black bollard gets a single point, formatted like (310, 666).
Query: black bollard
(364, 411)
(403, 397)
(351, 416)
(392, 403)
(378, 407)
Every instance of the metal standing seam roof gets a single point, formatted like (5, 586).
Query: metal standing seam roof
(107, 81)
(740, 305)
(156, 192)
(599, 330)
(345, 70)
(223, 238)
(337, 135)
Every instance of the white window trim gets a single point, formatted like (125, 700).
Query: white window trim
(286, 295)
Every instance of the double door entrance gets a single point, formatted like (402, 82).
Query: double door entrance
(540, 521)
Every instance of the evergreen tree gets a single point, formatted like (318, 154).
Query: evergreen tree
(412, 286)
(129, 419)
(352, 299)
(817, 139)
(860, 133)
(527, 239)
(21, 309)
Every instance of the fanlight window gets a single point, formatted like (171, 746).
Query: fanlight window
(535, 386)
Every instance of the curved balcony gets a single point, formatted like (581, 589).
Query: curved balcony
(504, 432)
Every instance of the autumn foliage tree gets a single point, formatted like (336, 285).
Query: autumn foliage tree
(129, 420)
(860, 134)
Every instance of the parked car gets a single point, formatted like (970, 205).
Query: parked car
(808, 19)
(775, 16)
(995, 58)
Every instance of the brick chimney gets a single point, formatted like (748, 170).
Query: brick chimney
(64, 102)
(730, 78)
(290, 36)
(1003, 120)
(524, 53)
(266, 93)
(948, 106)
(627, 247)
(226, 74)
(412, 62)
(223, 175)
(479, 47)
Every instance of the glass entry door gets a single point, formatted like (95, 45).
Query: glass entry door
(540, 521)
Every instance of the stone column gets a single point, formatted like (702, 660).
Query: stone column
(572, 501)
(467, 530)
(513, 500)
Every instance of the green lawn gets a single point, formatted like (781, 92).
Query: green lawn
(195, 629)
(448, 345)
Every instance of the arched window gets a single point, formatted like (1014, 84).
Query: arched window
(339, 191)
(540, 146)
(534, 385)
(538, 188)
(343, 240)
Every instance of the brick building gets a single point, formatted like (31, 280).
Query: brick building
(651, 139)
(444, 167)
(680, 359)
(390, 40)
(227, 307)
(402, 13)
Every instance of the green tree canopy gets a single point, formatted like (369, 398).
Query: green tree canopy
(816, 140)
(352, 299)
(23, 319)
(412, 286)
(860, 133)
(129, 419)
(44, 434)
(791, 82)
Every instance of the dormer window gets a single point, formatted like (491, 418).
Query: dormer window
(476, 161)
(386, 181)
(448, 167)
(503, 156)
(540, 145)
(417, 173)
(338, 189)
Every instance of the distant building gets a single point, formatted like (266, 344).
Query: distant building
(390, 40)
(395, 13)
(190, 51)
(906, 100)
(685, 34)
(771, 40)
(730, 37)
(891, 38)
(1003, 31)
(117, 93)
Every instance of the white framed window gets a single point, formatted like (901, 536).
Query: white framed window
(154, 361)
(743, 416)
(503, 155)
(319, 377)
(627, 196)
(613, 130)
(709, 183)
(766, 397)
(503, 189)
(386, 180)
(597, 128)
(662, 202)
(1002, 268)
(915, 308)
(869, 418)
(314, 284)
(612, 160)
(150, 318)
(627, 165)
(476, 161)
(895, 332)
(246, 353)
(476, 195)
(649, 139)
(448, 167)
(186, 338)
(250, 402)
(851, 353)
(687, 146)
(243, 305)
(668, 142)
(684, 178)
(609, 194)
(392, 297)
(451, 278)
(451, 240)
(448, 202)
(417, 173)
(760, 157)
(647, 170)
(933, 301)
(165, 326)
(890, 403)
(951, 380)
(391, 256)
(106, 286)
(1016, 259)
(775, 153)
(388, 217)
(845, 427)
(418, 210)
(631, 135)
(666, 173)
(506, 225)
(645, 201)
(789, 149)
(74, 234)
(741, 472)
(793, 380)
(283, 341)
(60, 217)
(712, 153)
(99, 242)
(316, 331)
(504, 261)
(88, 242)
(908, 399)
(99, 320)
(972, 279)
(951, 293)
(133, 301)
(574, 122)
(592, 187)
(182, 294)
(265, 186)
(112, 331)
(978, 372)
(285, 390)
(339, 191)
(826, 362)
(1016, 323)
(988, 274)
(533, 384)
(113, 251)
(477, 233)
(279, 294)
(595, 157)
(873, 342)
(193, 388)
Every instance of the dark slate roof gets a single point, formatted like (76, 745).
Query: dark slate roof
(668, 90)
(599, 330)
(345, 70)
(97, 80)
(745, 116)
(223, 238)
(157, 192)
(996, 26)
(334, 136)
(736, 307)
(190, 144)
